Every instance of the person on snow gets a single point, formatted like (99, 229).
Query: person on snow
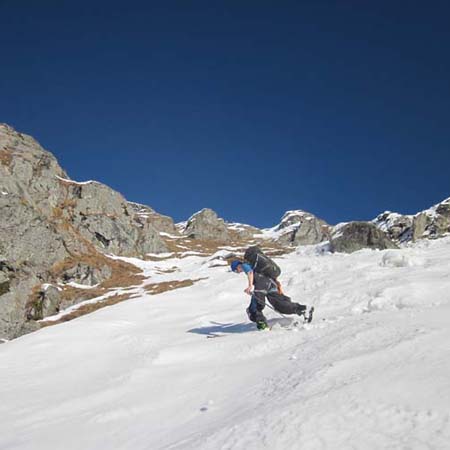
(261, 287)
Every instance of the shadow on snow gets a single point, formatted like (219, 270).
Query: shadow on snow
(218, 329)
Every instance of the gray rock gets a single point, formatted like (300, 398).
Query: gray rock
(432, 223)
(429, 224)
(103, 216)
(301, 228)
(45, 218)
(242, 231)
(353, 236)
(28, 171)
(26, 236)
(45, 303)
(13, 304)
(143, 214)
(205, 224)
(86, 275)
(397, 226)
(30, 175)
(4, 284)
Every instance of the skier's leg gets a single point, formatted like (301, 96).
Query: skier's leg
(284, 305)
(254, 311)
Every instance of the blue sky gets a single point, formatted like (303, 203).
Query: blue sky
(250, 108)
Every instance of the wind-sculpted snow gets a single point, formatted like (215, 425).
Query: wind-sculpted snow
(371, 371)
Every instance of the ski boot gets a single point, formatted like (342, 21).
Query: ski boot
(309, 318)
(307, 315)
(301, 311)
(262, 325)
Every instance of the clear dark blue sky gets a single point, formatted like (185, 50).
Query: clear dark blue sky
(248, 107)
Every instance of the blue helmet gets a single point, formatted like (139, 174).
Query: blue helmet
(235, 264)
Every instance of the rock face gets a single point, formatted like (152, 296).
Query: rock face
(301, 228)
(4, 283)
(85, 274)
(432, 223)
(242, 231)
(397, 226)
(101, 215)
(45, 218)
(353, 236)
(143, 214)
(206, 225)
(429, 224)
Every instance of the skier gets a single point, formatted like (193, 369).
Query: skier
(261, 287)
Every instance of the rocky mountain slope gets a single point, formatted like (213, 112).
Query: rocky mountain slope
(58, 237)
(53, 229)
(428, 224)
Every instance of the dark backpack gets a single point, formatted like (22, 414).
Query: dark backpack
(261, 263)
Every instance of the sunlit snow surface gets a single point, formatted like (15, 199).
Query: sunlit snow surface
(371, 372)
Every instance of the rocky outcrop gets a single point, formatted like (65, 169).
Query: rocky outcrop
(429, 224)
(85, 274)
(4, 284)
(28, 172)
(143, 214)
(301, 228)
(46, 302)
(240, 231)
(397, 226)
(102, 216)
(353, 236)
(46, 218)
(205, 224)
(432, 223)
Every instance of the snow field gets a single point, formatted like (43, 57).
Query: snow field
(371, 372)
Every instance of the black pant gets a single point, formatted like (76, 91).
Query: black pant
(267, 288)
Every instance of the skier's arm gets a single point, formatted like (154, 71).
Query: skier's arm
(250, 283)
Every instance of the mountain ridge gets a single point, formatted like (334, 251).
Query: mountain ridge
(57, 235)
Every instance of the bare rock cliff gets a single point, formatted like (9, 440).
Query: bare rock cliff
(45, 219)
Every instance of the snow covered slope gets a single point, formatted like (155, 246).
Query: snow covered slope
(371, 372)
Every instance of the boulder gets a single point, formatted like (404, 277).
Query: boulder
(205, 224)
(301, 228)
(353, 236)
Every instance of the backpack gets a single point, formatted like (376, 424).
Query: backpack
(261, 263)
